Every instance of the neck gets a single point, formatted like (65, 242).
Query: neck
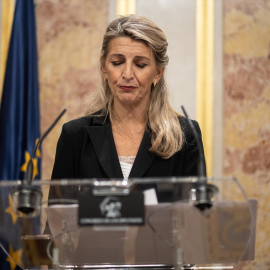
(129, 124)
(128, 115)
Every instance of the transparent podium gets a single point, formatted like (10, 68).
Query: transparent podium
(159, 223)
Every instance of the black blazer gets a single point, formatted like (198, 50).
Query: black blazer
(86, 149)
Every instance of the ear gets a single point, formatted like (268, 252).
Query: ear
(160, 71)
(103, 68)
(104, 74)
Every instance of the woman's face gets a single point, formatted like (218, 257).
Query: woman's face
(130, 69)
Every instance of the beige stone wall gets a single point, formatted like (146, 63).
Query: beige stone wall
(247, 107)
(69, 35)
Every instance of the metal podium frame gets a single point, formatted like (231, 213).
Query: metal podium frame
(187, 223)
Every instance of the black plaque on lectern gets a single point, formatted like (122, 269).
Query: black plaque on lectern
(111, 210)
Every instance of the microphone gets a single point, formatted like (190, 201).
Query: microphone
(203, 196)
(27, 199)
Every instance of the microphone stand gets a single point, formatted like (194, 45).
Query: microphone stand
(203, 196)
(27, 199)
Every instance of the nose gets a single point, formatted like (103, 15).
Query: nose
(127, 72)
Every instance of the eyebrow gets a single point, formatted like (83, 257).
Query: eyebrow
(136, 57)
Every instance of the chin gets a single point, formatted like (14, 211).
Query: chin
(128, 102)
(127, 98)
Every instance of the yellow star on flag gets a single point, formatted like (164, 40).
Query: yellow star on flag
(16, 255)
(9, 210)
(27, 159)
(24, 166)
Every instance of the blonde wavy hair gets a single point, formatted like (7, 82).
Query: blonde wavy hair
(167, 136)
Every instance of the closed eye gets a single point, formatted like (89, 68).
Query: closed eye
(141, 65)
(116, 63)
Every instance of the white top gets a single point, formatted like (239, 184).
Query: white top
(126, 164)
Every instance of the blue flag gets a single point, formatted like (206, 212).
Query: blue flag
(19, 111)
(19, 121)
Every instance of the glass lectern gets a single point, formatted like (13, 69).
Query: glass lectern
(160, 223)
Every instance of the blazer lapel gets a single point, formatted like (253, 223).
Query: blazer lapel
(144, 158)
(103, 143)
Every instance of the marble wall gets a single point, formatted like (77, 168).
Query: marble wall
(246, 105)
(69, 36)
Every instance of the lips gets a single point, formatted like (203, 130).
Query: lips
(127, 87)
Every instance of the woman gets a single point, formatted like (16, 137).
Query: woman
(130, 129)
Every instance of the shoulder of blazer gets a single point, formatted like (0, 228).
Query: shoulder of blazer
(79, 124)
(185, 125)
(186, 129)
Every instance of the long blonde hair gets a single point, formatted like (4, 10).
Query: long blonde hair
(167, 137)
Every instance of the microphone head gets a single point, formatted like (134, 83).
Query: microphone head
(27, 201)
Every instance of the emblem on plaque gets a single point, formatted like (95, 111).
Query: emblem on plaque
(110, 207)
